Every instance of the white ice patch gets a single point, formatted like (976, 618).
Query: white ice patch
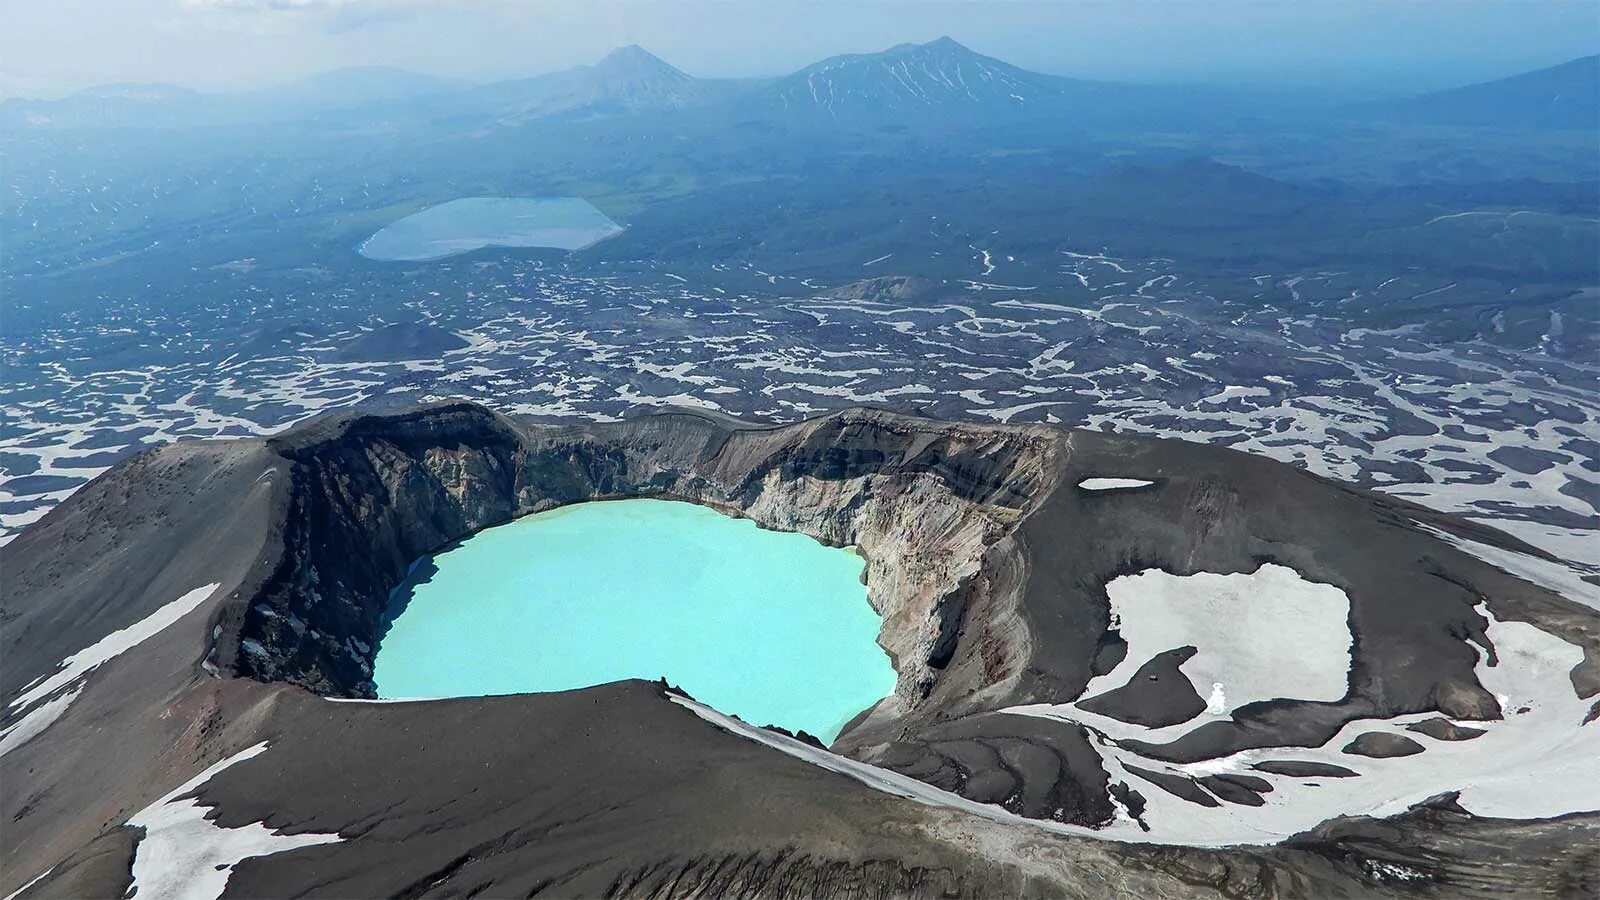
(36, 721)
(1112, 484)
(78, 666)
(1263, 635)
(185, 856)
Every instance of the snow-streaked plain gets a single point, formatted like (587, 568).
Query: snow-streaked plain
(1555, 576)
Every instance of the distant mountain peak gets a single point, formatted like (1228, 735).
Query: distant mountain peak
(906, 77)
(944, 44)
(634, 63)
(629, 79)
(884, 288)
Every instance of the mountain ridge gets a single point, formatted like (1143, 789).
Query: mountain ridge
(1565, 95)
(910, 79)
(941, 81)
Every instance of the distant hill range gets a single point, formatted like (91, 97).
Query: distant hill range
(939, 83)
(630, 79)
(916, 79)
(354, 92)
(1564, 96)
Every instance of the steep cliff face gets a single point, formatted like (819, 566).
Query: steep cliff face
(371, 495)
(366, 497)
(924, 505)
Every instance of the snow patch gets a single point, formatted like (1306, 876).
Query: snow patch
(1264, 635)
(1537, 761)
(36, 721)
(76, 667)
(185, 856)
(1112, 484)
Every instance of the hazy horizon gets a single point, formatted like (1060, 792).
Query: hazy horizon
(220, 45)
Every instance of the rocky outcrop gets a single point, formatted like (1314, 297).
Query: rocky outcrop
(1032, 767)
(786, 875)
(885, 289)
(1159, 694)
(1382, 745)
(1442, 729)
(367, 497)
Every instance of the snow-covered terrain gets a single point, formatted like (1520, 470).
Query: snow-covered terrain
(1506, 438)
(1113, 484)
(1538, 760)
(1263, 635)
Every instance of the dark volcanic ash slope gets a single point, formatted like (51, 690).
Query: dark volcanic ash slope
(200, 603)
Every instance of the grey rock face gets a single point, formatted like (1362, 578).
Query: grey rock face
(1158, 694)
(1301, 769)
(1382, 745)
(1443, 729)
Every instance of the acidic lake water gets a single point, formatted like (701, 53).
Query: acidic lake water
(770, 626)
(471, 223)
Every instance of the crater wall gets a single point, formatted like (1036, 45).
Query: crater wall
(370, 495)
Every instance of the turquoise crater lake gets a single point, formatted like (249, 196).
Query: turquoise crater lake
(770, 626)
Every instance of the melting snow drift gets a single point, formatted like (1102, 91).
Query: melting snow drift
(77, 667)
(185, 856)
(1112, 484)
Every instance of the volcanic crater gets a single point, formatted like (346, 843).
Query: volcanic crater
(1009, 566)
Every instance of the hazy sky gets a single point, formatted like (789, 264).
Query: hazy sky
(50, 46)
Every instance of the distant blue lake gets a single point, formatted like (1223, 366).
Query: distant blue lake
(770, 626)
(472, 223)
